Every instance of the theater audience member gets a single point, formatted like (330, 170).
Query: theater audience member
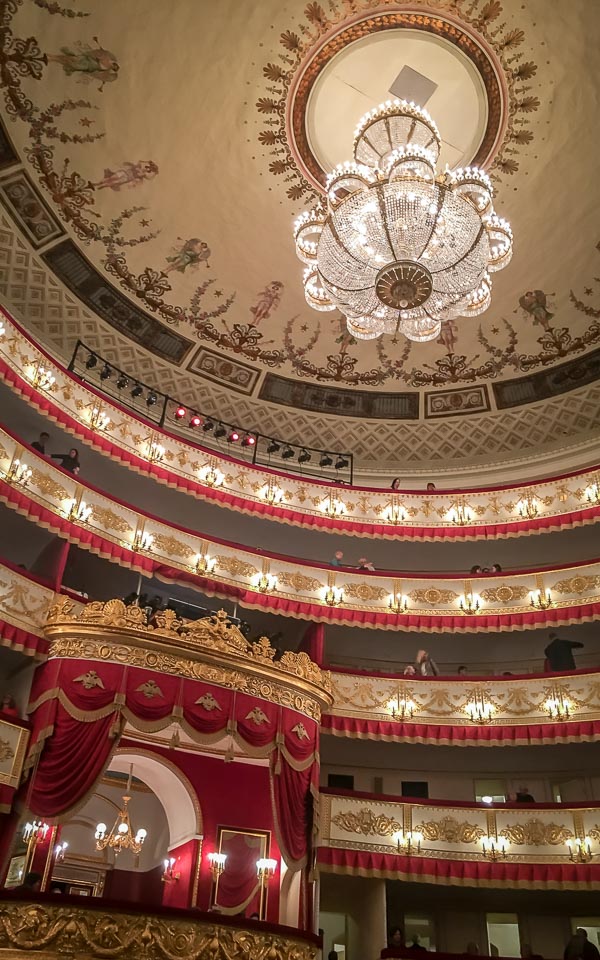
(580, 948)
(395, 942)
(472, 950)
(40, 443)
(425, 666)
(9, 707)
(462, 670)
(523, 795)
(409, 671)
(475, 569)
(396, 483)
(528, 954)
(430, 487)
(68, 461)
(32, 882)
(415, 945)
(364, 564)
(337, 559)
(332, 955)
(559, 653)
(496, 568)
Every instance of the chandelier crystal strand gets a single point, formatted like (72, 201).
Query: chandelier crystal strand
(397, 247)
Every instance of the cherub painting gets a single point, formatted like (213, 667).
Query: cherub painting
(535, 303)
(448, 335)
(268, 301)
(190, 253)
(90, 62)
(127, 175)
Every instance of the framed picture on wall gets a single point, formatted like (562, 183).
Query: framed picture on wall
(238, 890)
(16, 871)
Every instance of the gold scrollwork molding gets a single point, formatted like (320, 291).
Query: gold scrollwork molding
(77, 932)
(536, 833)
(450, 830)
(366, 823)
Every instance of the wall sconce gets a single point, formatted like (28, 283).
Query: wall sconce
(167, 875)
(78, 511)
(204, 563)
(143, 541)
(470, 603)
(398, 603)
(271, 493)
(19, 472)
(407, 843)
(540, 599)
(592, 493)
(60, 850)
(558, 706)
(528, 507)
(580, 849)
(154, 451)
(98, 419)
(35, 832)
(265, 870)
(333, 596)
(217, 864)
(264, 582)
(479, 709)
(394, 513)
(402, 707)
(333, 507)
(495, 848)
(461, 514)
(211, 476)
(42, 378)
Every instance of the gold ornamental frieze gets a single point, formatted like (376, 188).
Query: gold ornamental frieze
(64, 931)
(212, 648)
(450, 830)
(299, 502)
(366, 823)
(537, 833)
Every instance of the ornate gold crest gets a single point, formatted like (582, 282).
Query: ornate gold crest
(536, 833)
(299, 582)
(365, 822)
(450, 830)
(208, 702)
(257, 716)
(89, 680)
(150, 689)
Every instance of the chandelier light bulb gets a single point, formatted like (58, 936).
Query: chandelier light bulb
(395, 246)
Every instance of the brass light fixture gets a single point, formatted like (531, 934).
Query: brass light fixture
(402, 707)
(580, 849)
(479, 709)
(528, 507)
(217, 863)
(121, 836)
(470, 603)
(407, 843)
(495, 848)
(540, 599)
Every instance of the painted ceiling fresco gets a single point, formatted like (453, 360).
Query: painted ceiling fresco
(155, 156)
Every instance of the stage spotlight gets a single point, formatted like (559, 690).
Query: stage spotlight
(325, 461)
(273, 447)
(233, 437)
(105, 372)
(195, 421)
(220, 431)
(304, 457)
(287, 453)
(208, 426)
(137, 391)
(122, 381)
(151, 399)
(91, 361)
(341, 463)
(248, 441)
(180, 412)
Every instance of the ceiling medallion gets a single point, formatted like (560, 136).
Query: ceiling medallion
(399, 247)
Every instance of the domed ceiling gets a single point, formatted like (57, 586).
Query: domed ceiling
(155, 156)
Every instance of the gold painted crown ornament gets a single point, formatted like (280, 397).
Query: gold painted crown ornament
(398, 247)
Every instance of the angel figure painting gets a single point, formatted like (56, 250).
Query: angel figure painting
(190, 253)
(535, 303)
(127, 175)
(267, 301)
(91, 63)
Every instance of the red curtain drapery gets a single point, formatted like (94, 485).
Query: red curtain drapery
(72, 761)
(239, 889)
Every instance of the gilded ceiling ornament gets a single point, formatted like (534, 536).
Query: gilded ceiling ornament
(6, 751)
(109, 520)
(48, 485)
(433, 596)
(262, 650)
(78, 932)
(113, 613)
(536, 833)
(365, 592)
(577, 585)
(89, 680)
(257, 716)
(236, 567)
(150, 689)
(299, 581)
(302, 666)
(367, 823)
(450, 830)
(208, 702)
(504, 593)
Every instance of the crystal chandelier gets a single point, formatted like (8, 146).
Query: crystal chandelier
(398, 247)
